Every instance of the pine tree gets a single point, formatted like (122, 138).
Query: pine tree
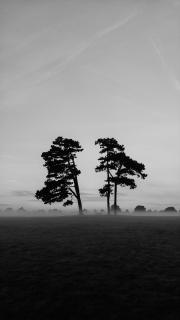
(125, 167)
(108, 147)
(62, 182)
(118, 167)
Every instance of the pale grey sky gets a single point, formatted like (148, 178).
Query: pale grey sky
(87, 70)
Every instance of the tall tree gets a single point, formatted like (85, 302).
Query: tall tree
(124, 167)
(62, 181)
(108, 147)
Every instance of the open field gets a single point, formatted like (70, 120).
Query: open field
(90, 267)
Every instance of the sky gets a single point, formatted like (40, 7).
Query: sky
(86, 69)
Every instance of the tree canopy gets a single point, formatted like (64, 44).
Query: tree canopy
(62, 182)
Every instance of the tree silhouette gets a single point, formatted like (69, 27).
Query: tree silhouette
(62, 181)
(140, 208)
(170, 209)
(108, 147)
(124, 166)
(118, 167)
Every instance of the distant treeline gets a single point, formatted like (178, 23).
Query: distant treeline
(137, 209)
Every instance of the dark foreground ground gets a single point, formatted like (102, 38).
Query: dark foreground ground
(90, 267)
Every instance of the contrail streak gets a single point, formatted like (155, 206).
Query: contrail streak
(28, 41)
(87, 44)
(115, 26)
(152, 112)
(102, 74)
(171, 74)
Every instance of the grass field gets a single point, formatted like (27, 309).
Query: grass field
(90, 267)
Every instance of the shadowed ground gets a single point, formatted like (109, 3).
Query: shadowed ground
(90, 267)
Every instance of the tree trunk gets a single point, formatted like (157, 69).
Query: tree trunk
(108, 205)
(108, 193)
(115, 198)
(78, 195)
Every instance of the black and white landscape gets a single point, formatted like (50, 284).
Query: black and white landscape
(89, 158)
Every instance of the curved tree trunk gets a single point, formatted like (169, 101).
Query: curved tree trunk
(78, 195)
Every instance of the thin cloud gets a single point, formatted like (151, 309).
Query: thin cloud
(87, 44)
(115, 26)
(93, 199)
(29, 40)
(89, 188)
(11, 157)
(155, 203)
(137, 106)
(102, 74)
(22, 193)
(86, 194)
(20, 165)
(164, 195)
(172, 76)
(121, 194)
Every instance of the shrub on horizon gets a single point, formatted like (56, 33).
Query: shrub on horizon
(170, 209)
(21, 210)
(117, 208)
(140, 208)
(9, 210)
(41, 211)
